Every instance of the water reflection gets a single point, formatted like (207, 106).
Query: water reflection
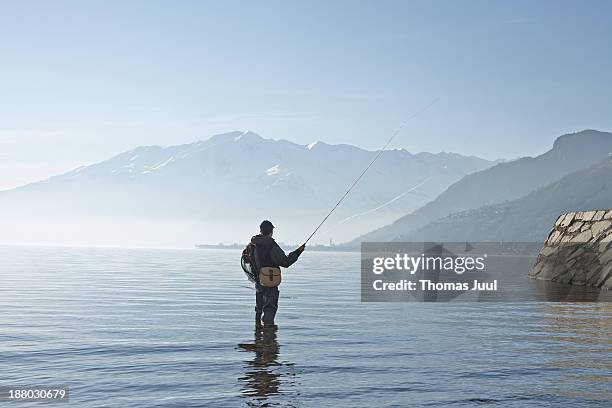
(582, 336)
(564, 292)
(265, 373)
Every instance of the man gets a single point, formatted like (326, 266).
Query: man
(269, 254)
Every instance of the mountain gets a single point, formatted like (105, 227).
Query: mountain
(504, 182)
(529, 218)
(219, 189)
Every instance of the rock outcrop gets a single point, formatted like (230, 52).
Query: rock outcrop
(578, 250)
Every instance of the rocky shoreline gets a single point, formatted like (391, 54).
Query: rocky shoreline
(578, 250)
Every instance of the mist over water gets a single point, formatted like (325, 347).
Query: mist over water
(145, 328)
(106, 231)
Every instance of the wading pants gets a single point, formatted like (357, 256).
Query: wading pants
(266, 304)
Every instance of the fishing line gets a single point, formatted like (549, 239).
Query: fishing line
(385, 204)
(380, 152)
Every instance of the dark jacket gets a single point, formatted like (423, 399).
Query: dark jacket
(270, 254)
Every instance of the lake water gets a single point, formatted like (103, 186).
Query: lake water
(175, 328)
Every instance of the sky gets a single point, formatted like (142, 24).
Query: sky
(83, 81)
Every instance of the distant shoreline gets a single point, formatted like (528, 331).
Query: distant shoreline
(325, 248)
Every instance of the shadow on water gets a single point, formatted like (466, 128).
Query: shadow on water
(265, 374)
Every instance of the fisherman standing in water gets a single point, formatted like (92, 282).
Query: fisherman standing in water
(269, 257)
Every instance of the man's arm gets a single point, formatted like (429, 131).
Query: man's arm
(281, 259)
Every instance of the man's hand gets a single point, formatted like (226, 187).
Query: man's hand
(302, 248)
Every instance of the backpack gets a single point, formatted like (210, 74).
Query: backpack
(248, 263)
(266, 276)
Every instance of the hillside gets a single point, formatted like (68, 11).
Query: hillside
(527, 219)
(504, 182)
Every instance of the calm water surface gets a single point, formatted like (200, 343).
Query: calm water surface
(175, 328)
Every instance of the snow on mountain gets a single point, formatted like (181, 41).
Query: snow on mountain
(273, 170)
(219, 189)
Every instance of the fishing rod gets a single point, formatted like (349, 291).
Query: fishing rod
(378, 154)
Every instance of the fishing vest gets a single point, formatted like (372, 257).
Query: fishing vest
(269, 273)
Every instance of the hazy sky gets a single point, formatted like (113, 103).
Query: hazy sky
(81, 81)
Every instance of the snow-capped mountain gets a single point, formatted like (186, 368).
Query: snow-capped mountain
(221, 188)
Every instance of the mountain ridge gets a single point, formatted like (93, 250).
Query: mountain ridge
(229, 181)
(528, 218)
(252, 137)
(504, 181)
